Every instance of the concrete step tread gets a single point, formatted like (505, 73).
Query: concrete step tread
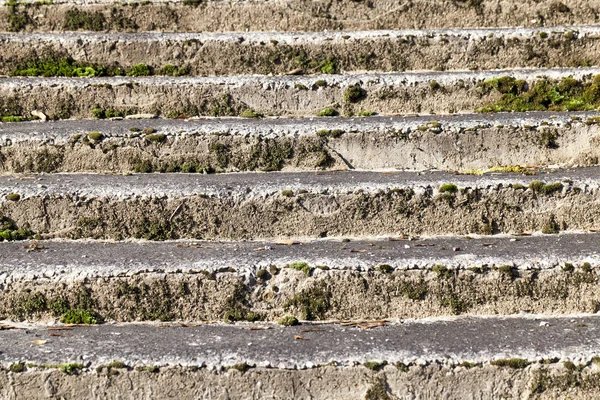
(451, 341)
(63, 130)
(254, 185)
(66, 260)
(332, 51)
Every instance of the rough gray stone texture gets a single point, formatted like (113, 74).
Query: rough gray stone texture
(384, 93)
(458, 143)
(255, 205)
(279, 53)
(532, 337)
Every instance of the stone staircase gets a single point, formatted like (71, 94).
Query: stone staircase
(299, 200)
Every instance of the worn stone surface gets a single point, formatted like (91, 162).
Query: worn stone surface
(247, 281)
(254, 206)
(319, 15)
(388, 93)
(434, 351)
(280, 53)
(456, 143)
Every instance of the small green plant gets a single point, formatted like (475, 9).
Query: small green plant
(250, 114)
(442, 271)
(586, 267)
(328, 112)
(287, 193)
(288, 320)
(551, 188)
(434, 85)
(80, 317)
(448, 188)
(301, 266)
(172, 70)
(321, 83)
(326, 133)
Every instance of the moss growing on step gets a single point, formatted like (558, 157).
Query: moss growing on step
(288, 320)
(172, 70)
(514, 363)
(140, 70)
(10, 232)
(95, 136)
(17, 368)
(375, 365)
(13, 197)
(250, 114)
(301, 266)
(448, 188)
(327, 133)
(328, 112)
(385, 269)
(567, 94)
(366, 113)
(70, 368)
(354, 93)
(80, 317)
(61, 66)
(76, 20)
(312, 303)
(242, 367)
(156, 137)
(378, 389)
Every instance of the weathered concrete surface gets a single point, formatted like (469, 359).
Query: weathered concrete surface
(246, 206)
(205, 281)
(430, 382)
(436, 347)
(289, 15)
(457, 143)
(277, 53)
(452, 340)
(383, 93)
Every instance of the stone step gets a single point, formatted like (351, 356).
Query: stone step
(368, 278)
(240, 53)
(275, 205)
(255, 96)
(470, 143)
(290, 15)
(492, 357)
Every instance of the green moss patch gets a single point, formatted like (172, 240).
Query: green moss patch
(566, 94)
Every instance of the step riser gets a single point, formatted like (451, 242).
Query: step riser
(400, 145)
(238, 215)
(298, 16)
(327, 295)
(319, 383)
(226, 55)
(457, 92)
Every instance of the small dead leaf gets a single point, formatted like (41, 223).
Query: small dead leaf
(310, 330)
(298, 337)
(39, 341)
(487, 244)
(59, 334)
(34, 247)
(188, 325)
(4, 327)
(259, 249)
(297, 71)
(288, 242)
(60, 328)
(357, 251)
